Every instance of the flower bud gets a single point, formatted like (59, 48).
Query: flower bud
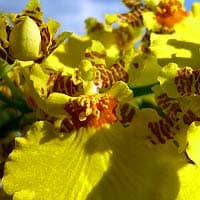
(25, 40)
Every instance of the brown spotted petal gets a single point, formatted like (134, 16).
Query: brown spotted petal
(184, 86)
(180, 82)
(178, 114)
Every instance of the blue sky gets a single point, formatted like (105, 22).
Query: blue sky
(71, 13)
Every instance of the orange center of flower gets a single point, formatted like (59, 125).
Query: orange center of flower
(90, 111)
(169, 13)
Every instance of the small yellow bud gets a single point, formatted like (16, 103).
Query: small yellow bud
(25, 40)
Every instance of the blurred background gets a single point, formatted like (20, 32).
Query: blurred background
(71, 14)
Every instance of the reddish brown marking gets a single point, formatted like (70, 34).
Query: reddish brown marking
(154, 126)
(46, 39)
(32, 16)
(174, 118)
(163, 129)
(31, 102)
(97, 27)
(66, 85)
(109, 76)
(188, 82)
(67, 126)
(134, 18)
(168, 104)
(151, 140)
(146, 42)
(136, 65)
(127, 113)
(53, 46)
(38, 9)
(38, 21)
(42, 90)
(133, 4)
(30, 12)
(124, 37)
(3, 53)
(52, 78)
(94, 54)
(190, 117)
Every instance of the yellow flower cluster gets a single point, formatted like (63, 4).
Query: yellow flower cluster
(110, 115)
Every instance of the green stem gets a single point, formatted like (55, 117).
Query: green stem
(16, 92)
(5, 68)
(15, 103)
(146, 104)
(143, 90)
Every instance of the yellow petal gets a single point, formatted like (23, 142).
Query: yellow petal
(193, 138)
(69, 54)
(55, 168)
(111, 163)
(189, 183)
